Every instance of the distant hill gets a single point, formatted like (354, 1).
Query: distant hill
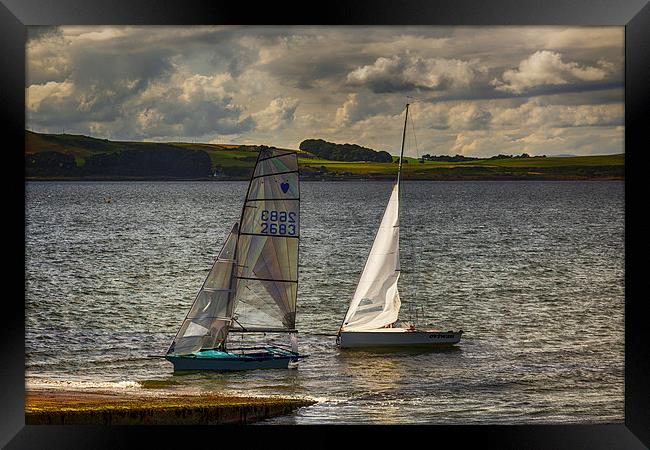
(66, 157)
(343, 152)
(83, 157)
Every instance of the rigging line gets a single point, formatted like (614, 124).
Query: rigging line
(417, 151)
(411, 213)
(412, 270)
(242, 326)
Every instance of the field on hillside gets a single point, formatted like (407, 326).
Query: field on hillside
(232, 161)
(579, 167)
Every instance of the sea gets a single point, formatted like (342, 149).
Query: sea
(531, 271)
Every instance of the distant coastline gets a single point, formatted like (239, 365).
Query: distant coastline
(355, 179)
(51, 157)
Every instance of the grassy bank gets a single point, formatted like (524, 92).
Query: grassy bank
(70, 407)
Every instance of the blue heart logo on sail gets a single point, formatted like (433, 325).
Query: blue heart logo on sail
(284, 187)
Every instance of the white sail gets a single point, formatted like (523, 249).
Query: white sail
(206, 324)
(376, 301)
(267, 250)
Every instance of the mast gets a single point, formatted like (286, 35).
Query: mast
(401, 155)
(374, 273)
(266, 274)
(399, 176)
(233, 275)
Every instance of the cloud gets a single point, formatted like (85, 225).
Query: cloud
(354, 108)
(48, 58)
(131, 82)
(491, 89)
(468, 116)
(409, 72)
(201, 87)
(189, 105)
(180, 105)
(535, 113)
(547, 68)
(548, 141)
(280, 112)
(51, 91)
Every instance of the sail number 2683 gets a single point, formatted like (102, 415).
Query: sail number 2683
(278, 222)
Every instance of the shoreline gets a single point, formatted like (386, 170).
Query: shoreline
(302, 180)
(82, 407)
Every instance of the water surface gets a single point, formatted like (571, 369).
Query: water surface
(532, 271)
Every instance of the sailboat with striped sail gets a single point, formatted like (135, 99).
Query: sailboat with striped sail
(372, 319)
(253, 284)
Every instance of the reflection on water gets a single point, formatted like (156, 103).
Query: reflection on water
(534, 271)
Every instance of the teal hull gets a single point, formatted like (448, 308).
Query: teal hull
(266, 358)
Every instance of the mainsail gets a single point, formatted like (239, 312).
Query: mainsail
(253, 283)
(206, 324)
(266, 279)
(376, 301)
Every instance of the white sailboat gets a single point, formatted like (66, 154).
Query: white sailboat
(372, 319)
(252, 286)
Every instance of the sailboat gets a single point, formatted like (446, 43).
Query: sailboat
(252, 285)
(372, 319)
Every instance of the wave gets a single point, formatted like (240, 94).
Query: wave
(81, 384)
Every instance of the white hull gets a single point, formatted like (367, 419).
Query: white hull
(394, 338)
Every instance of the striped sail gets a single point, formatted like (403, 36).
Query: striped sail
(206, 324)
(253, 283)
(266, 278)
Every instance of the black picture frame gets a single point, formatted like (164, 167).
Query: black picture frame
(15, 15)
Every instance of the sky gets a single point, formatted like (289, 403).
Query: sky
(474, 91)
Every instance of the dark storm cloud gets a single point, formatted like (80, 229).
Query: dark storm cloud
(305, 72)
(474, 88)
(115, 81)
(35, 33)
(110, 70)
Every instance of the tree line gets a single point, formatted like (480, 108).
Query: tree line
(458, 158)
(153, 161)
(343, 152)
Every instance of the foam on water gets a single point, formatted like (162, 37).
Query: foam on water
(35, 383)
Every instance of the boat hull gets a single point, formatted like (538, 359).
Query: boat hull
(227, 361)
(364, 339)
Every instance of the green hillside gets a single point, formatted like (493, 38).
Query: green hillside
(69, 156)
(559, 168)
(66, 156)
